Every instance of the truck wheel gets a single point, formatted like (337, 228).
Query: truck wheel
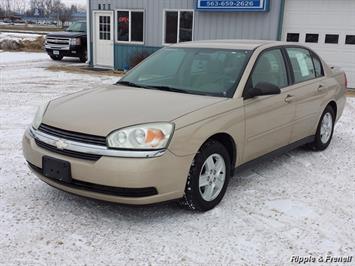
(208, 177)
(325, 130)
(56, 57)
(84, 57)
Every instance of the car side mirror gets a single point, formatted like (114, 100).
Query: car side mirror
(262, 89)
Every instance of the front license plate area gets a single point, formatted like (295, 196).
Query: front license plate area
(56, 52)
(56, 169)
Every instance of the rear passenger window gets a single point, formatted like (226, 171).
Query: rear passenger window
(302, 64)
(270, 68)
(317, 66)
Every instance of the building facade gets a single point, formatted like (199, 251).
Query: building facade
(120, 30)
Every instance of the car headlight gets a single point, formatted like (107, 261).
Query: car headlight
(75, 41)
(153, 136)
(39, 115)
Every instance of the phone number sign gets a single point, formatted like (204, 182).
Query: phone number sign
(233, 5)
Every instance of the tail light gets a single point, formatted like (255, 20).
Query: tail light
(346, 81)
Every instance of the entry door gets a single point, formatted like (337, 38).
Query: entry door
(268, 118)
(103, 39)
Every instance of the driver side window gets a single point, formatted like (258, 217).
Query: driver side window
(270, 67)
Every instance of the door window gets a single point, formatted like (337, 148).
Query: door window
(105, 28)
(270, 68)
(302, 64)
(317, 66)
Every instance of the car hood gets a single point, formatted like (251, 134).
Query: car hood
(66, 34)
(100, 111)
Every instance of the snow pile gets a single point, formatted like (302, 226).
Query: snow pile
(17, 41)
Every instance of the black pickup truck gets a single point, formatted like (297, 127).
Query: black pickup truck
(71, 43)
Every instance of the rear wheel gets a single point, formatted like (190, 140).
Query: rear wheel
(325, 130)
(56, 57)
(208, 177)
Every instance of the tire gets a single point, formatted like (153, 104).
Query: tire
(56, 57)
(325, 130)
(196, 193)
(84, 57)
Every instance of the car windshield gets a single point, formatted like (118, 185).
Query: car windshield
(213, 72)
(77, 27)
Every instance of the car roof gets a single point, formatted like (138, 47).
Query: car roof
(228, 44)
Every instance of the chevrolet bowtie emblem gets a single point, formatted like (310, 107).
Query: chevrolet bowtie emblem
(61, 145)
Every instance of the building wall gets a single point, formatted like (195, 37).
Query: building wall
(207, 25)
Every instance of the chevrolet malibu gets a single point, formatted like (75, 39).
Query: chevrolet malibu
(178, 125)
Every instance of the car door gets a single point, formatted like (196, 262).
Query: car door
(268, 119)
(309, 89)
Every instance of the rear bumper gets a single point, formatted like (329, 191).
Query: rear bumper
(137, 181)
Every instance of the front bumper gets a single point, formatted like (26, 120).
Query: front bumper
(135, 181)
(70, 51)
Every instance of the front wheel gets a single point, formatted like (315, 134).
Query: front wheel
(84, 57)
(325, 130)
(56, 57)
(208, 177)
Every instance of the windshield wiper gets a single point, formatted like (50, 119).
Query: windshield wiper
(130, 84)
(172, 89)
(168, 88)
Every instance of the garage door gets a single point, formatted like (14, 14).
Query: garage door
(327, 26)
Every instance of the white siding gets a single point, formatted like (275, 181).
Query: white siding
(324, 17)
(208, 25)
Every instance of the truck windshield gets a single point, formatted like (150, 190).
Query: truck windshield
(213, 72)
(77, 27)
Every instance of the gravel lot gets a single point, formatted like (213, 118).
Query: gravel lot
(301, 203)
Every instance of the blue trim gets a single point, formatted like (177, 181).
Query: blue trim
(264, 8)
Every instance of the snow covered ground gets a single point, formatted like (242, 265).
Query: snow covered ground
(301, 203)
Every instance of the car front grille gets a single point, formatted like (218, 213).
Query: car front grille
(57, 43)
(74, 136)
(74, 154)
(115, 191)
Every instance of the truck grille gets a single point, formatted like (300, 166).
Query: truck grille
(74, 136)
(57, 43)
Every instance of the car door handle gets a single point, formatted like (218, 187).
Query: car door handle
(321, 87)
(289, 98)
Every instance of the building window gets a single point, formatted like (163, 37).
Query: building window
(178, 26)
(312, 38)
(130, 26)
(99, 7)
(293, 37)
(105, 27)
(350, 39)
(104, 6)
(332, 38)
(109, 6)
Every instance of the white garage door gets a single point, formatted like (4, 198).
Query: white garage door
(327, 26)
